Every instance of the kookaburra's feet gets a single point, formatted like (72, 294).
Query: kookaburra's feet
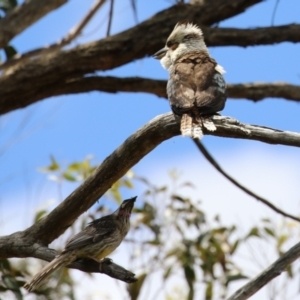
(208, 123)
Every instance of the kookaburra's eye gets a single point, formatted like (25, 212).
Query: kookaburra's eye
(170, 44)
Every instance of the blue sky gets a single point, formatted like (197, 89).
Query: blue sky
(72, 127)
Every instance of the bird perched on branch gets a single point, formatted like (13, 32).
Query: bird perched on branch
(196, 88)
(96, 241)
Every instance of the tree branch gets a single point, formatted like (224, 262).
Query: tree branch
(32, 241)
(18, 245)
(73, 33)
(206, 154)
(125, 157)
(267, 275)
(251, 37)
(252, 91)
(111, 52)
(24, 15)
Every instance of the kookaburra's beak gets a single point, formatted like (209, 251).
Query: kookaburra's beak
(160, 53)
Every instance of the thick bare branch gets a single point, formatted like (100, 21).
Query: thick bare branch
(31, 242)
(128, 154)
(20, 245)
(267, 275)
(207, 155)
(137, 42)
(23, 16)
(73, 33)
(252, 37)
(112, 168)
(259, 91)
(252, 91)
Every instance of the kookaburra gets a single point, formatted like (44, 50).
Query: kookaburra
(196, 88)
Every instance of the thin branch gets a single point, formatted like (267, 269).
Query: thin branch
(253, 91)
(267, 275)
(274, 12)
(111, 12)
(213, 162)
(24, 15)
(133, 6)
(73, 33)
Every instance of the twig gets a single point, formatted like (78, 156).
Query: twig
(206, 154)
(133, 5)
(24, 15)
(267, 275)
(111, 11)
(73, 33)
(274, 12)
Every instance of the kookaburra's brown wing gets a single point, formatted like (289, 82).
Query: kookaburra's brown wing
(196, 85)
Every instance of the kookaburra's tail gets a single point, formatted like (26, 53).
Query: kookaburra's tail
(59, 261)
(189, 128)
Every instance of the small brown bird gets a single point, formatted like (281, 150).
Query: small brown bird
(196, 88)
(96, 241)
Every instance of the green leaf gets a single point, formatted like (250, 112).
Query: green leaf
(231, 278)
(209, 290)
(75, 167)
(290, 271)
(189, 273)
(128, 183)
(54, 166)
(234, 246)
(253, 232)
(167, 272)
(9, 51)
(178, 198)
(134, 289)
(155, 242)
(68, 176)
(5, 265)
(269, 231)
(7, 5)
(10, 282)
(39, 215)
(266, 220)
(282, 239)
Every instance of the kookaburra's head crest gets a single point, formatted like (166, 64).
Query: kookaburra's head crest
(185, 38)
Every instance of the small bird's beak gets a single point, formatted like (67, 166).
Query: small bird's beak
(160, 53)
(129, 203)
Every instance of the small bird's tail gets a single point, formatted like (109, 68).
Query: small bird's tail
(59, 261)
